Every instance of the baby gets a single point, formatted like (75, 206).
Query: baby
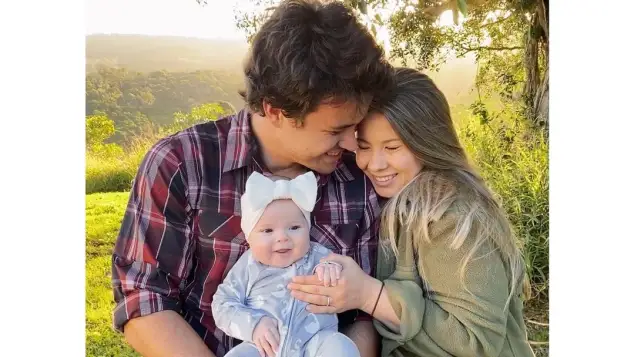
(253, 304)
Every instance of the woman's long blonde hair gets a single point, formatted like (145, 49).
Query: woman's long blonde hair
(419, 113)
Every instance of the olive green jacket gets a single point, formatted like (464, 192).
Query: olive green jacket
(439, 317)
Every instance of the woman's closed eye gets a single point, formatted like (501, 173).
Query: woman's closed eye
(392, 148)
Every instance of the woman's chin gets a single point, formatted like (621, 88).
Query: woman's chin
(385, 192)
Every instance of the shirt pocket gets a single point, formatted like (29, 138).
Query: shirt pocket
(217, 227)
(221, 242)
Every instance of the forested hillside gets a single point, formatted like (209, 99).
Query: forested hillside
(134, 100)
(139, 82)
(154, 53)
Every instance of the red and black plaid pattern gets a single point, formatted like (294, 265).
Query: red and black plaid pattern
(181, 231)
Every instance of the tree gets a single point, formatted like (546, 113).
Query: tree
(98, 129)
(197, 115)
(139, 102)
(508, 37)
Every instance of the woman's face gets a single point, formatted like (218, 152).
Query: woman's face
(383, 157)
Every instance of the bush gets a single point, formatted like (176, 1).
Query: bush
(109, 173)
(111, 168)
(512, 157)
(106, 176)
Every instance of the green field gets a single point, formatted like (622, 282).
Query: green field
(104, 212)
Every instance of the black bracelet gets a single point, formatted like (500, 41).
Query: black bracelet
(377, 299)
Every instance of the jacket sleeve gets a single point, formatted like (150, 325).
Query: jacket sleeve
(451, 317)
(228, 306)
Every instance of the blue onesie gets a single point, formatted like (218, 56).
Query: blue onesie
(252, 290)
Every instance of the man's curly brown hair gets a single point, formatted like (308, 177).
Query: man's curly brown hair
(308, 52)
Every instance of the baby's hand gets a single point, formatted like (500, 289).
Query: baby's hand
(266, 337)
(328, 272)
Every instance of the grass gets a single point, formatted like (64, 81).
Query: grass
(114, 173)
(537, 326)
(513, 159)
(107, 175)
(104, 212)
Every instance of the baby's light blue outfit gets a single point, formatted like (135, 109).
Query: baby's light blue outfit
(252, 290)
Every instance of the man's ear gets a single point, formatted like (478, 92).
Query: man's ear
(274, 115)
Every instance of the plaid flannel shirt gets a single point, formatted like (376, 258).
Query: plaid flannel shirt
(181, 233)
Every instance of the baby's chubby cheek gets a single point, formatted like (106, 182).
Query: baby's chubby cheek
(261, 253)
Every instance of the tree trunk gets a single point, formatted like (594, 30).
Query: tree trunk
(542, 17)
(531, 68)
(541, 104)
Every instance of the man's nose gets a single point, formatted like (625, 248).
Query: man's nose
(349, 140)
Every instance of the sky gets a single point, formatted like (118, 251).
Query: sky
(181, 18)
(164, 17)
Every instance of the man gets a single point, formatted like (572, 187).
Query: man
(310, 75)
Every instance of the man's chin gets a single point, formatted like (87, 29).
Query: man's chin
(324, 164)
(324, 169)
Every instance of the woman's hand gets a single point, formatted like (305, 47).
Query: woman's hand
(350, 292)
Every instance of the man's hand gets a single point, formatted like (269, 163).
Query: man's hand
(266, 336)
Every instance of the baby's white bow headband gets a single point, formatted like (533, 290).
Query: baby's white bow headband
(261, 190)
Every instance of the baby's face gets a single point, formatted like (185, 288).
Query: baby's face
(281, 236)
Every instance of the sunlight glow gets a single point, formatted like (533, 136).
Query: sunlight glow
(216, 20)
(446, 19)
(164, 18)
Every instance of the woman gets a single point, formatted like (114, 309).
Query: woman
(450, 274)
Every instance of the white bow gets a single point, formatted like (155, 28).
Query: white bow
(261, 190)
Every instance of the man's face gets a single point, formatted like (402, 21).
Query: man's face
(319, 143)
